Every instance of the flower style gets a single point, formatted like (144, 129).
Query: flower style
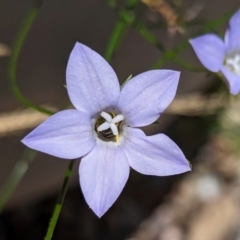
(102, 130)
(224, 56)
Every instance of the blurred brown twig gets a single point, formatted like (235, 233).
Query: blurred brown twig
(172, 17)
(19, 120)
(187, 105)
(195, 104)
(4, 50)
(169, 14)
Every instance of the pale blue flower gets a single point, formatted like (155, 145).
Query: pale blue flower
(222, 56)
(102, 130)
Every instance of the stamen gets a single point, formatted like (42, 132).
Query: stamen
(114, 129)
(233, 63)
(118, 118)
(104, 126)
(111, 127)
(106, 116)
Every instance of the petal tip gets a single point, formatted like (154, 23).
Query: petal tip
(190, 40)
(176, 77)
(184, 166)
(187, 166)
(98, 209)
(178, 73)
(78, 44)
(98, 213)
(25, 140)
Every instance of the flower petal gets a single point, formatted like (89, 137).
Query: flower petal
(233, 42)
(147, 95)
(153, 155)
(210, 50)
(232, 79)
(103, 174)
(226, 38)
(91, 82)
(67, 134)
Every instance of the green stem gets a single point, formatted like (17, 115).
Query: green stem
(120, 28)
(58, 206)
(145, 33)
(115, 38)
(170, 54)
(15, 176)
(126, 16)
(16, 50)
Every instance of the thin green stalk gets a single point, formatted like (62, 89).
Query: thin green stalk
(16, 50)
(120, 28)
(170, 54)
(58, 206)
(126, 16)
(145, 33)
(131, 4)
(115, 38)
(16, 176)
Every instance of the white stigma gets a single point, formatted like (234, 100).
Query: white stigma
(110, 122)
(233, 63)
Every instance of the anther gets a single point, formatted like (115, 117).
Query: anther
(114, 129)
(110, 123)
(118, 118)
(104, 126)
(106, 116)
(233, 64)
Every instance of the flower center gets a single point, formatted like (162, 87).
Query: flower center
(232, 63)
(108, 126)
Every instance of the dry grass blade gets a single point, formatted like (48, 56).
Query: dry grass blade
(196, 104)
